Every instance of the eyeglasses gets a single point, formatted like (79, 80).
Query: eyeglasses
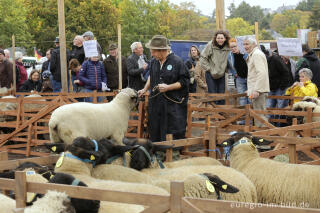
(233, 46)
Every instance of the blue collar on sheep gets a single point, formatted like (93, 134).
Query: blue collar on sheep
(69, 155)
(95, 145)
(113, 158)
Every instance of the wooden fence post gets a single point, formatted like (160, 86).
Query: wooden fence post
(169, 137)
(30, 131)
(3, 156)
(189, 121)
(19, 111)
(213, 133)
(247, 121)
(94, 97)
(176, 195)
(21, 189)
(309, 120)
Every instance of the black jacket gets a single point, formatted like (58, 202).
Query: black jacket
(78, 53)
(55, 67)
(30, 85)
(279, 75)
(135, 79)
(312, 62)
(111, 68)
(168, 111)
(45, 65)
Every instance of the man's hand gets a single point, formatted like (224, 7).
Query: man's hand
(163, 87)
(145, 66)
(141, 92)
(254, 94)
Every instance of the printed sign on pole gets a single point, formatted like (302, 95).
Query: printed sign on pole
(289, 46)
(90, 48)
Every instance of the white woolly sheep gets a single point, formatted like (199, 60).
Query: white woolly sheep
(276, 182)
(247, 191)
(303, 106)
(7, 204)
(82, 171)
(95, 121)
(194, 184)
(52, 202)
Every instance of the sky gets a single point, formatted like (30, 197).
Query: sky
(207, 6)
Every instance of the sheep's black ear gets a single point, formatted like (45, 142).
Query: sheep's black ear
(226, 143)
(9, 175)
(260, 141)
(55, 147)
(220, 185)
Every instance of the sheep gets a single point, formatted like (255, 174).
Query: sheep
(52, 202)
(7, 204)
(95, 121)
(276, 182)
(311, 99)
(194, 184)
(303, 106)
(82, 171)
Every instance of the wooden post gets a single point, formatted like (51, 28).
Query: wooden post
(256, 29)
(14, 64)
(189, 122)
(220, 17)
(29, 139)
(95, 97)
(309, 120)
(177, 193)
(119, 57)
(21, 189)
(169, 137)
(213, 132)
(3, 156)
(292, 147)
(63, 49)
(247, 123)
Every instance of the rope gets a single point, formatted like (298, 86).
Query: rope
(156, 88)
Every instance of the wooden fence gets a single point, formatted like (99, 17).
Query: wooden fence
(175, 202)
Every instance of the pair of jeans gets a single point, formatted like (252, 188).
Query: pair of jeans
(216, 86)
(277, 103)
(89, 99)
(241, 84)
(56, 85)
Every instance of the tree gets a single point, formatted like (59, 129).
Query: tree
(239, 27)
(306, 5)
(314, 21)
(247, 13)
(265, 35)
(13, 17)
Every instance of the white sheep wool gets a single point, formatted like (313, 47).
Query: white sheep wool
(6, 204)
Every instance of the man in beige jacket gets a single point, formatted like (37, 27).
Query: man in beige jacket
(258, 76)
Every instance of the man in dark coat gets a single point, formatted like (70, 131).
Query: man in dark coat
(55, 66)
(111, 68)
(6, 76)
(137, 64)
(310, 61)
(169, 83)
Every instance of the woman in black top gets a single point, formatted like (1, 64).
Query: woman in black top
(33, 84)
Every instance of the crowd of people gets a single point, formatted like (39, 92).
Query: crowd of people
(257, 72)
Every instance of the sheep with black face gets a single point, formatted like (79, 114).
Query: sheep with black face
(95, 121)
(276, 182)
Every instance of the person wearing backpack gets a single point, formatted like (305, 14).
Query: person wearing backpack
(310, 61)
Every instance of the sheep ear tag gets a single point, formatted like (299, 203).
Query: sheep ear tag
(54, 148)
(261, 140)
(225, 186)
(60, 161)
(30, 172)
(92, 157)
(252, 145)
(210, 187)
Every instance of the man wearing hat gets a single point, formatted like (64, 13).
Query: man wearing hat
(169, 83)
(111, 68)
(87, 36)
(55, 66)
(6, 76)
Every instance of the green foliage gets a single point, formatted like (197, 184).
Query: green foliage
(306, 5)
(239, 27)
(314, 21)
(248, 13)
(289, 21)
(265, 35)
(13, 17)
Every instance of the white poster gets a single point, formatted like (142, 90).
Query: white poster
(240, 40)
(90, 48)
(289, 46)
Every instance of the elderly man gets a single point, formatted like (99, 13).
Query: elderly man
(136, 65)
(111, 68)
(77, 49)
(6, 77)
(7, 54)
(169, 82)
(87, 36)
(258, 77)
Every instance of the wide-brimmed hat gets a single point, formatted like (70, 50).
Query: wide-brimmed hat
(158, 42)
(113, 46)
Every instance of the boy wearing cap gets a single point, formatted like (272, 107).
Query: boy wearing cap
(169, 83)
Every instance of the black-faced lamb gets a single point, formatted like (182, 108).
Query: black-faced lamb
(95, 121)
(276, 182)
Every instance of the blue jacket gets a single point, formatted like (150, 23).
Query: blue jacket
(92, 73)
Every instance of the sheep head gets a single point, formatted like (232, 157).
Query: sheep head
(311, 99)
(127, 96)
(300, 106)
(243, 135)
